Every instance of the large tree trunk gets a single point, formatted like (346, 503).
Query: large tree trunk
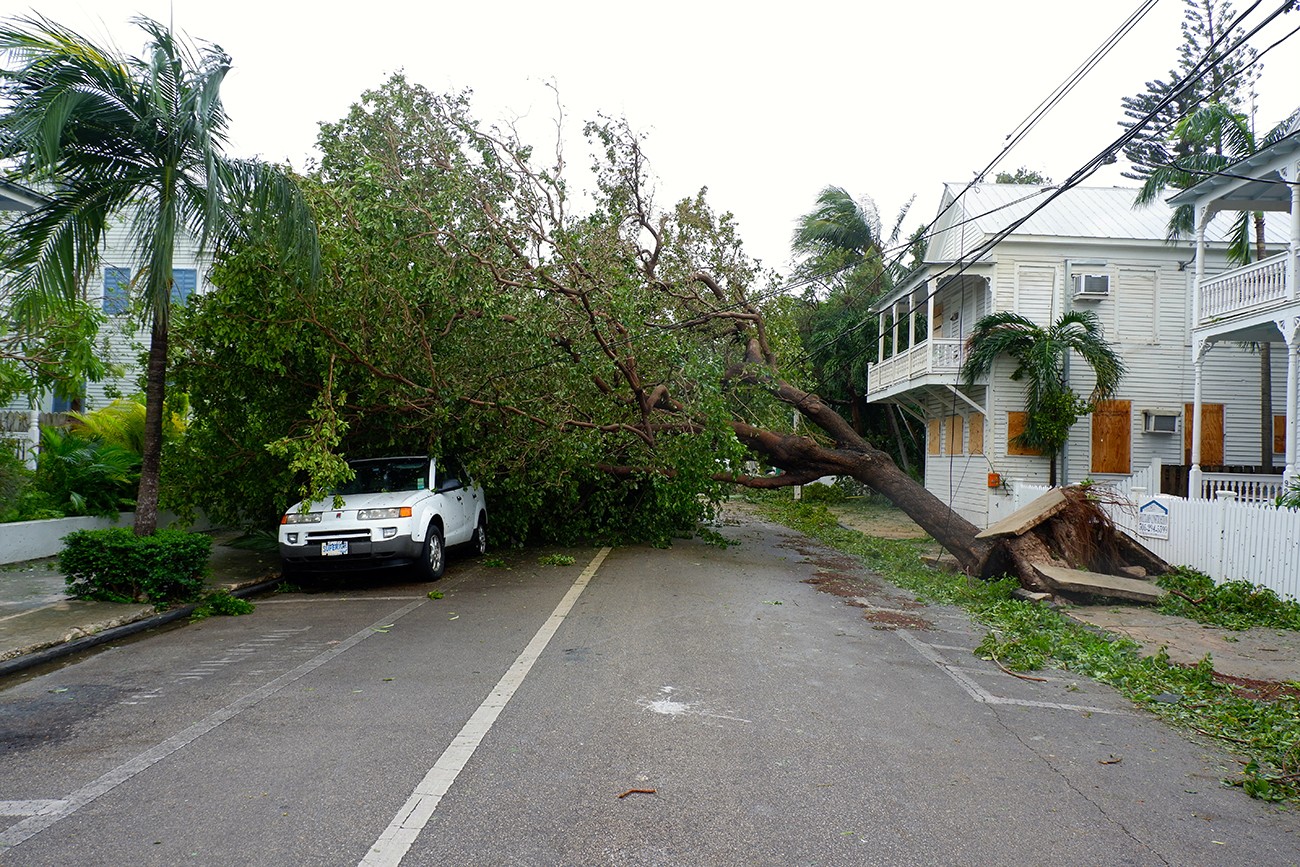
(854, 456)
(146, 501)
(1073, 543)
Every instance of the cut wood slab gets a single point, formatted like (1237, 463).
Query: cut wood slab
(1027, 517)
(1079, 581)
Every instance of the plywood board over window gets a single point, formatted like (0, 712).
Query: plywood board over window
(977, 434)
(1016, 422)
(932, 440)
(1279, 434)
(953, 441)
(1112, 436)
(1211, 433)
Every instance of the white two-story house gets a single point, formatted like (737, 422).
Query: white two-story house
(1088, 249)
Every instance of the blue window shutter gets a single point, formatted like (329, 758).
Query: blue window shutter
(117, 281)
(184, 282)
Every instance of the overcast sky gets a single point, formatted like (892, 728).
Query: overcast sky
(765, 104)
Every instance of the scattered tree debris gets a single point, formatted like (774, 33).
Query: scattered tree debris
(637, 792)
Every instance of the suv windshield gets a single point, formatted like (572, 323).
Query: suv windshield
(382, 476)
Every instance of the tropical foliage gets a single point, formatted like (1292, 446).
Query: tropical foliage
(138, 138)
(845, 266)
(1208, 37)
(1051, 405)
(443, 322)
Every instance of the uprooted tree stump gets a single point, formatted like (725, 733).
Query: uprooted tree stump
(1068, 530)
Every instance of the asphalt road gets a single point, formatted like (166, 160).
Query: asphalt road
(499, 725)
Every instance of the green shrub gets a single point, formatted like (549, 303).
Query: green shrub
(20, 499)
(115, 565)
(85, 475)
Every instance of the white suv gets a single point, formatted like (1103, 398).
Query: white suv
(398, 511)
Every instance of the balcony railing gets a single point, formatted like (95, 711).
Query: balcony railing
(941, 355)
(1244, 289)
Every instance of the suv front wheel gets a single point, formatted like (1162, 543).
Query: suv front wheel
(434, 561)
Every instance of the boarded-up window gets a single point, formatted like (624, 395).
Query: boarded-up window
(977, 434)
(932, 437)
(1135, 304)
(1279, 434)
(936, 323)
(1015, 427)
(1211, 433)
(1112, 436)
(952, 442)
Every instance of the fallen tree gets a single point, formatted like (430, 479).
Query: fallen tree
(465, 307)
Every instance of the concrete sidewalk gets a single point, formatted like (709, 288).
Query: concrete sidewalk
(38, 621)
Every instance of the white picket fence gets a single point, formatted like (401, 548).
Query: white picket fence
(1227, 540)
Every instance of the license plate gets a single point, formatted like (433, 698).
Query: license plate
(333, 549)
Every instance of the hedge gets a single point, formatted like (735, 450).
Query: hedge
(115, 565)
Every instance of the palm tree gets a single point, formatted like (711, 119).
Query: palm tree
(1219, 137)
(110, 135)
(840, 223)
(1051, 406)
(839, 241)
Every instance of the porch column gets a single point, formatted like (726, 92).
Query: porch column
(911, 323)
(894, 327)
(33, 434)
(1202, 220)
(1292, 173)
(1194, 474)
(1291, 331)
(880, 336)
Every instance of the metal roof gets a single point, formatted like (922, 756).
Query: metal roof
(16, 197)
(1100, 213)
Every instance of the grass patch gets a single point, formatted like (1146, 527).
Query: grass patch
(556, 560)
(1026, 636)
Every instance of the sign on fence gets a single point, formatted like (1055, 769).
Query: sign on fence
(1153, 520)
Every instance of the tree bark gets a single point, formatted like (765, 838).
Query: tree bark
(146, 501)
(853, 456)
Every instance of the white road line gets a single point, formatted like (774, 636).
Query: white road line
(29, 828)
(29, 808)
(983, 696)
(395, 842)
(331, 600)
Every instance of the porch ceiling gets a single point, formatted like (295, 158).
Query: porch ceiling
(1257, 327)
(1252, 184)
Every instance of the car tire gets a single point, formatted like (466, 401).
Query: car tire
(434, 561)
(479, 540)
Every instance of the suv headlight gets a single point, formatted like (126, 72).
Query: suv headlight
(380, 514)
(300, 518)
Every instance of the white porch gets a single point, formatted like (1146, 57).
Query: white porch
(923, 327)
(1256, 303)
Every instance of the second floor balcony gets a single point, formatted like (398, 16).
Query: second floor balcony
(935, 361)
(1254, 288)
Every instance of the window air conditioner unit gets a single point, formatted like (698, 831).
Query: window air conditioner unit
(1160, 421)
(1091, 286)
